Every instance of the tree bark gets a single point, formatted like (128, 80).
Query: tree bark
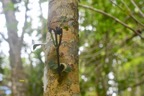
(63, 14)
(15, 44)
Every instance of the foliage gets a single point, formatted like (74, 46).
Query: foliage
(111, 56)
(35, 73)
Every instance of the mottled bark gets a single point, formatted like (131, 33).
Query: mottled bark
(15, 44)
(64, 14)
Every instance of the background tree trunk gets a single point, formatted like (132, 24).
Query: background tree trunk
(15, 44)
(64, 14)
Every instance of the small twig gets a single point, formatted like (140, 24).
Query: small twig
(128, 39)
(131, 15)
(114, 18)
(3, 37)
(116, 5)
(137, 20)
(141, 13)
(133, 86)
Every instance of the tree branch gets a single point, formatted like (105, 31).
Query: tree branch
(131, 15)
(133, 86)
(129, 38)
(3, 37)
(117, 5)
(114, 18)
(141, 13)
(137, 84)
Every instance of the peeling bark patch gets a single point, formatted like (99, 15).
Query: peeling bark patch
(45, 80)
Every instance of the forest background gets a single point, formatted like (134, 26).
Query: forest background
(111, 46)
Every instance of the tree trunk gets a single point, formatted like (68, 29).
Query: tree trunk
(15, 44)
(62, 14)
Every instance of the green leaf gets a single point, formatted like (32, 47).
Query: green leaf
(35, 45)
(66, 28)
(52, 65)
(68, 69)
